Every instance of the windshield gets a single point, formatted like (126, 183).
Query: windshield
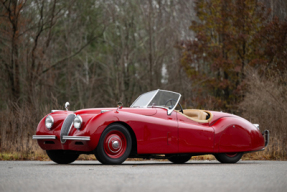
(158, 98)
(144, 99)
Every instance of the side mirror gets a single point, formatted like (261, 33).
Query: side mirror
(67, 104)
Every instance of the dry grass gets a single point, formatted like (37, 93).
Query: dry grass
(17, 126)
(266, 104)
(14, 156)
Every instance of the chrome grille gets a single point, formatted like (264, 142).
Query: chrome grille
(66, 127)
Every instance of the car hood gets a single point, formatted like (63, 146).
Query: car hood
(140, 111)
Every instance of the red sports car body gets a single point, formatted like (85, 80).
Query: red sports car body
(150, 128)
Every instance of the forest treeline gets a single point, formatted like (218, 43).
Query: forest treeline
(94, 53)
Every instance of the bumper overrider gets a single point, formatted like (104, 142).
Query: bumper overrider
(76, 138)
(266, 137)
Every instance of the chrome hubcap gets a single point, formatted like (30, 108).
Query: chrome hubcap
(115, 144)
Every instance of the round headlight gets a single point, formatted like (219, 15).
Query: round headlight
(78, 122)
(49, 121)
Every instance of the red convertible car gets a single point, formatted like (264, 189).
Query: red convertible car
(149, 128)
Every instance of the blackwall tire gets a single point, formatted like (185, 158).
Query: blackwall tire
(61, 156)
(114, 146)
(179, 159)
(228, 157)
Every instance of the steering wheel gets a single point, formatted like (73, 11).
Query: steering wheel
(170, 100)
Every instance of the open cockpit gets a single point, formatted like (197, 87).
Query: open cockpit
(197, 115)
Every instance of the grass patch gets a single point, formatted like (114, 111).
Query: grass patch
(17, 156)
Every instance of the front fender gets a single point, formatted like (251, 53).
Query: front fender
(96, 125)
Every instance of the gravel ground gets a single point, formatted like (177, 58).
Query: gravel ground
(143, 176)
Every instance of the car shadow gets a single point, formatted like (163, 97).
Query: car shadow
(154, 163)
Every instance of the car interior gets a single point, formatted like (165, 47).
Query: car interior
(197, 115)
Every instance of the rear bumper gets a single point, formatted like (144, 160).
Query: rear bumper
(266, 137)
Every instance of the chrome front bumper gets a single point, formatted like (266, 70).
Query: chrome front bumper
(77, 138)
(44, 137)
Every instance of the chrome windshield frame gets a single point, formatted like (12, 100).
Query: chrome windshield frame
(169, 111)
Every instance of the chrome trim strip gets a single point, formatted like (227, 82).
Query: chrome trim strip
(103, 111)
(78, 138)
(44, 137)
(55, 110)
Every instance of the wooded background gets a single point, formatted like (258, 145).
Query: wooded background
(220, 55)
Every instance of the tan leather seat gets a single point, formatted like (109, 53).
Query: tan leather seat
(197, 115)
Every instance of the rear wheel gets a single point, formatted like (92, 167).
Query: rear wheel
(228, 157)
(115, 145)
(61, 156)
(179, 159)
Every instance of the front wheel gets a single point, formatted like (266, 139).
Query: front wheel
(61, 156)
(115, 145)
(179, 159)
(228, 157)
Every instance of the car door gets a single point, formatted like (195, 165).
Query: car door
(160, 134)
(194, 137)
